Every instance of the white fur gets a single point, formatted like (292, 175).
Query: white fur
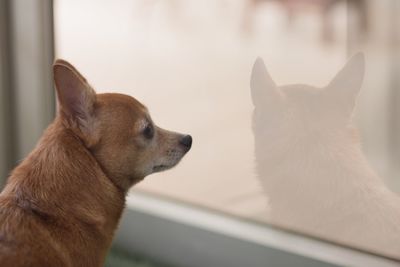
(311, 166)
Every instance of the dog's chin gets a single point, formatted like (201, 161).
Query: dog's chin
(167, 163)
(164, 166)
(160, 168)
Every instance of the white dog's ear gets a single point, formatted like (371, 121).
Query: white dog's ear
(263, 88)
(346, 85)
(75, 96)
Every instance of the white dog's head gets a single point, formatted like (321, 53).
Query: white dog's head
(301, 109)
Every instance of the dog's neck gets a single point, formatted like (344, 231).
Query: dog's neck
(61, 182)
(316, 170)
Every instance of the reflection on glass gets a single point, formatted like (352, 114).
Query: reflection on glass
(311, 166)
(189, 62)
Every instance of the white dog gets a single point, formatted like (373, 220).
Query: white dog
(311, 166)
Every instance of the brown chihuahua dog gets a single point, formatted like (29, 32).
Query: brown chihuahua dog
(62, 204)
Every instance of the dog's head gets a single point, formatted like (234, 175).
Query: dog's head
(302, 109)
(117, 129)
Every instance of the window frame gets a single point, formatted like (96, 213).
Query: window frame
(184, 235)
(6, 117)
(26, 84)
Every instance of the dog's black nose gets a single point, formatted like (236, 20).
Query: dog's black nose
(186, 141)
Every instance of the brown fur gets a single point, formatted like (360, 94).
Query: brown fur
(62, 204)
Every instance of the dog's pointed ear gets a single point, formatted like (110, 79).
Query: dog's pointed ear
(263, 88)
(345, 87)
(75, 96)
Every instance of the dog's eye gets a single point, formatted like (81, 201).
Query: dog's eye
(148, 132)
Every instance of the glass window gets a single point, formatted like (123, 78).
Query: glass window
(311, 145)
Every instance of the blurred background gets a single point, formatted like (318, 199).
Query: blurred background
(189, 61)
